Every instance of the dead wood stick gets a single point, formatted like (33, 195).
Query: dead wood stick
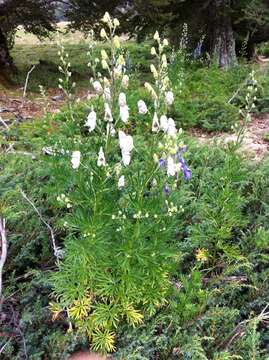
(26, 84)
(3, 252)
(56, 250)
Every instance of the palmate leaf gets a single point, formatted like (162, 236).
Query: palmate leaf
(103, 340)
(107, 315)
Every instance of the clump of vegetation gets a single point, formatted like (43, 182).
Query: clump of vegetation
(124, 234)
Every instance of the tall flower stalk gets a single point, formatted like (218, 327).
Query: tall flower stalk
(120, 205)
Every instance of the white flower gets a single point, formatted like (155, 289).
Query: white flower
(126, 158)
(106, 18)
(164, 123)
(121, 182)
(155, 123)
(164, 61)
(171, 171)
(165, 42)
(142, 107)
(172, 130)
(101, 161)
(91, 121)
(126, 145)
(111, 130)
(125, 81)
(107, 94)
(97, 87)
(156, 36)
(75, 160)
(118, 169)
(122, 99)
(108, 114)
(154, 71)
(124, 113)
(153, 51)
(126, 142)
(169, 98)
(117, 71)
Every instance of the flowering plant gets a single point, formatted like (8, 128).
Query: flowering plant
(119, 190)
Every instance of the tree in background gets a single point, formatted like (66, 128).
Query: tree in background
(226, 24)
(36, 16)
(85, 14)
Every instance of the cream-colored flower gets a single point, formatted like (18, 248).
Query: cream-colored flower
(116, 22)
(121, 182)
(103, 33)
(116, 41)
(169, 98)
(124, 113)
(101, 161)
(165, 42)
(171, 171)
(164, 61)
(156, 36)
(171, 130)
(75, 160)
(155, 123)
(91, 121)
(122, 99)
(142, 107)
(121, 60)
(104, 65)
(164, 123)
(97, 87)
(126, 142)
(126, 145)
(106, 18)
(125, 81)
(108, 113)
(107, 94)
(117, 71)
(104, 54)
(153, 51)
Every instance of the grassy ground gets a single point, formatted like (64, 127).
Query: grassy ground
(29, 51)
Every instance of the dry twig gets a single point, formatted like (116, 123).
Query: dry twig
(56, 250)
(26, 84)
(3, 252)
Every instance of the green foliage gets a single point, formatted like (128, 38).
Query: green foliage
(216, 115)
(193, 285)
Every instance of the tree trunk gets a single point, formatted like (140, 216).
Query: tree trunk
(6, 62)
(222, 41)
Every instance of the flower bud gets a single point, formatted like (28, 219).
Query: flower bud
(106, 19)
(116, 42)
(103, 34)
(116, 22)
(153, 51)
(156, 36)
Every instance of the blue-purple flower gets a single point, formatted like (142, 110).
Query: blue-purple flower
(186, 171)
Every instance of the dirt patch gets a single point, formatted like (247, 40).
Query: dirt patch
(14, 108)
(254, 144)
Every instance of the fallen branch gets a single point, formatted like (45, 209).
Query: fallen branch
(3, 253)
(57, 251)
